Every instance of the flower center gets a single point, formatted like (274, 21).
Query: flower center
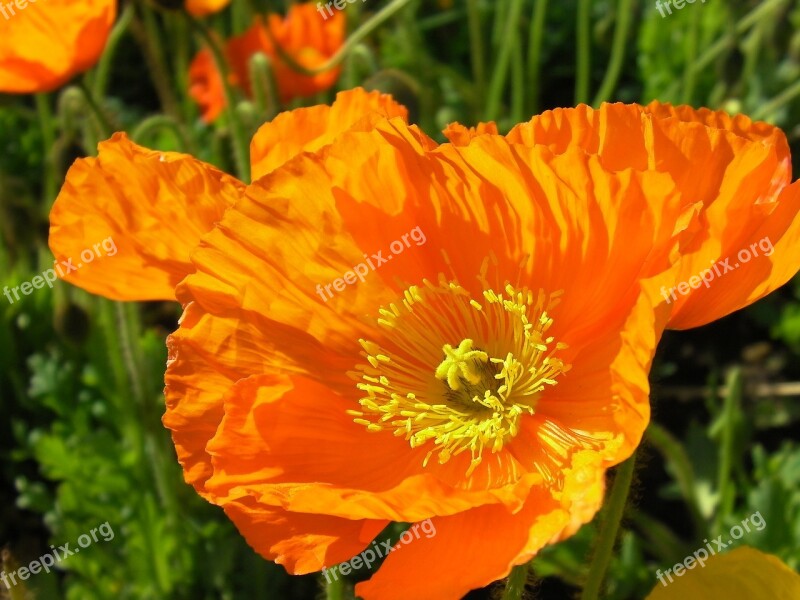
(467, 396)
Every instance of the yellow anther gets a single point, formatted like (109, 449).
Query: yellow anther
(465, 398)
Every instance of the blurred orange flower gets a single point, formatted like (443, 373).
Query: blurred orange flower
(303, 35)
(201, 8)
(43, 45)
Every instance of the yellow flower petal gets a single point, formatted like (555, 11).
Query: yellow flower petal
(742, 574)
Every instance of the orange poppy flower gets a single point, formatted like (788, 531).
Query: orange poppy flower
(482, 377)
(43, 45)
(157, 205)
(741, 238)
(483, 374)
(303, 35)
(201, 8)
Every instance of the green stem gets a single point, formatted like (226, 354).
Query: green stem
(583, 51)
(181, 50)
(103, 71)
(146, 33)
(127, 321)
(476, 51)
(622, 26)
(658, 538)
(154, 123)
(265, 89)
(681, 465)
(352, 75)
(517, 83)
(45, 114)
(614, 509)
(359, 34)
(500, 71)
(515, 586)
(731, 405)
(747, 21)
(335, 590)
(106, 127)
(131, 366)
(241, 145)
(777, 102)
(691, 56)
(535, 52)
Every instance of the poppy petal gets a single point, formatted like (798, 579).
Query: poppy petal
(738, 265)
(480, 546)
(281, 438)
(309, 129)
(459, 135)
(154, 205)
(42, 46)
(732, 173)
(302, 543)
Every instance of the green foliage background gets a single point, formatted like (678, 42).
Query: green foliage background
(81, 441)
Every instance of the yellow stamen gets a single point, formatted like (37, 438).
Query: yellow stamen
(468, 397)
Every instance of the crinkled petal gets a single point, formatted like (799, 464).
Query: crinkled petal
(155, 206)
(467, 551)
(312, 128)
(281, 438)
(302, 543)
(732, 173)
(459, 135)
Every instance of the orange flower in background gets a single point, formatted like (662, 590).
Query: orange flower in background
(45, 44)
(201, 8)
(303, 35)
(735, 178)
